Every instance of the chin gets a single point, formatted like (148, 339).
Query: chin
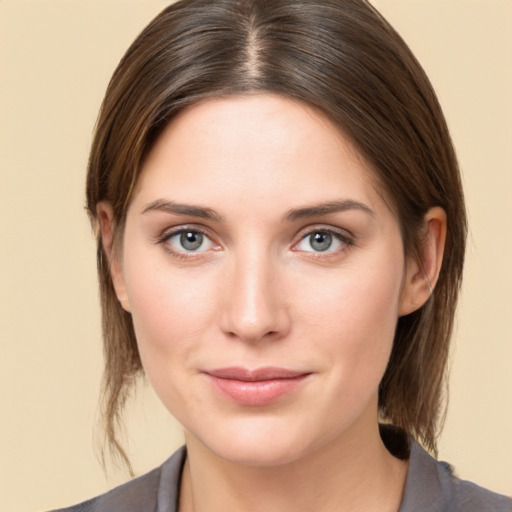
(261, 454)
(255, 443)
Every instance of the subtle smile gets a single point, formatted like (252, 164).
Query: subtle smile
(258, 387)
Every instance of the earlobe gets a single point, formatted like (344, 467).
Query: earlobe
(105, 218)
(423, 270)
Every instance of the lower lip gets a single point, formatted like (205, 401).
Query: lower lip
(255, 393)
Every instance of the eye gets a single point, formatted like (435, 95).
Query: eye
(322, 241)
(188, 240)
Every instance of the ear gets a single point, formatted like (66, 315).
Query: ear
(422, 270)
(105, 215)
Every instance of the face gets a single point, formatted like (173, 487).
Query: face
(265, 275)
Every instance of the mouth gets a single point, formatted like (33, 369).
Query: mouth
(258, 387)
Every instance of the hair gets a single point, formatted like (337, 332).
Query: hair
(345, 60)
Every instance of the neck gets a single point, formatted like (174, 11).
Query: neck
(353, 472)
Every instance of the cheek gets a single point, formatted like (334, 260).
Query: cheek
(355, 314)
(171, 309)
(172, 317)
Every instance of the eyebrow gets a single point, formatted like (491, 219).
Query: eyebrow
(191, 210)
(306, 212)
(327, 208)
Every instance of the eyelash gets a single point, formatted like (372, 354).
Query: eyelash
(183, 255)
(344, 239)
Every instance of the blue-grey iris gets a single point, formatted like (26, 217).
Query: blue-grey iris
(190, 240)
(320, 241)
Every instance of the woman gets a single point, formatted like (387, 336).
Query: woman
(281, 234)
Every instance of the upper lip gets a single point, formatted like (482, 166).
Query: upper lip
(255, 375)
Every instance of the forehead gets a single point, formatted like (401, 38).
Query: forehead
(250, 141)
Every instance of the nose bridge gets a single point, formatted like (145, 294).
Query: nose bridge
(255, 307)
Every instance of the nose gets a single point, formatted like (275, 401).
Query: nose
(255, 303)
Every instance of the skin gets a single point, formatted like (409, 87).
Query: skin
(257, 292)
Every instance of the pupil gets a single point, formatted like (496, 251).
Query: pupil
(191, 241)
(321, 241)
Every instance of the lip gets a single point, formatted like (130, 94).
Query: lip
(257, 387)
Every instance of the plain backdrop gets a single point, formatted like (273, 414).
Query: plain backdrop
(56, 58)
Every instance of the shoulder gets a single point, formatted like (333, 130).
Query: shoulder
(142, 493)
(138, 494)
(472, 498)
(432, 486)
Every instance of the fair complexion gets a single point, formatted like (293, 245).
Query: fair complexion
(265, 274)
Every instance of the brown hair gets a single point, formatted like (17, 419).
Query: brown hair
(339, 56)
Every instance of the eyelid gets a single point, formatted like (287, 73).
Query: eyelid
(169, 233)
(170, 230)
(343, 235)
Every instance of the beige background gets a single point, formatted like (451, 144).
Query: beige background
(55, 60)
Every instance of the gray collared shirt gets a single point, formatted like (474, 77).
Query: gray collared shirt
(430, 487)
